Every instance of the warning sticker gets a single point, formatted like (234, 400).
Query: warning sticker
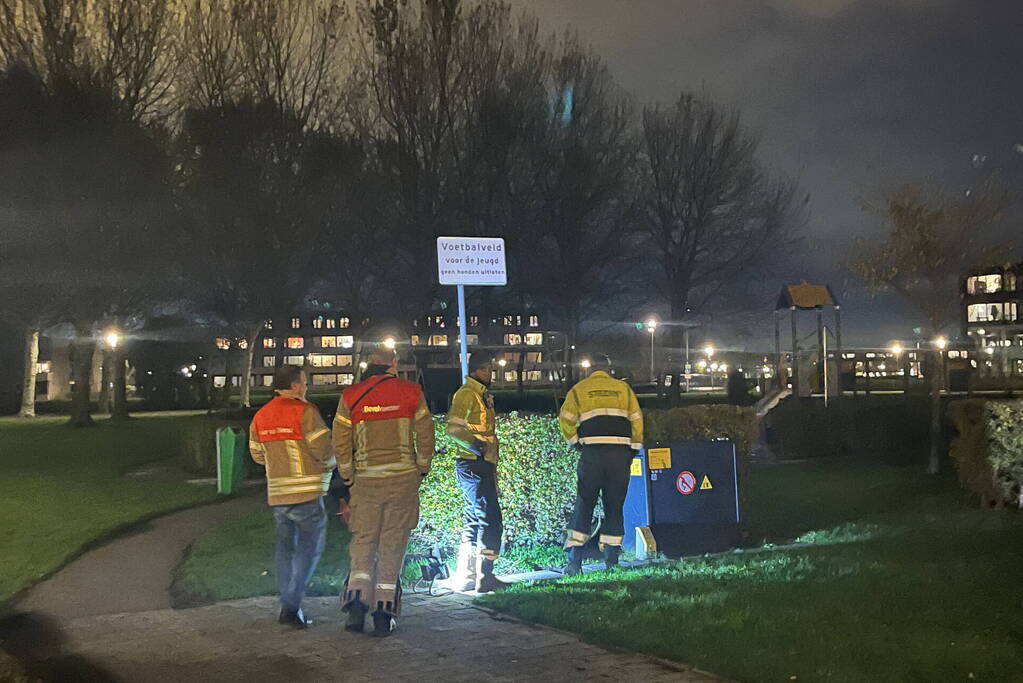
(659, 458)
(705, 484)
(637, 468)
(686, 482)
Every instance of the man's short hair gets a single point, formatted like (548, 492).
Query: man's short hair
(381, 356)
(480, 359)
(286, 375)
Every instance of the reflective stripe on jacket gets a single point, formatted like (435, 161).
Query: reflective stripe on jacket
(389, 432)
(471, 422)
(602, 410)
(289, 438)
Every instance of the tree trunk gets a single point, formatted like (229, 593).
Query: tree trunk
(934, 378)
(103, 398)
(120, 389)
(28, 387)
(81, 409)
(246, 374)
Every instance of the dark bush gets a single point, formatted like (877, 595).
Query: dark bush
(988, 449)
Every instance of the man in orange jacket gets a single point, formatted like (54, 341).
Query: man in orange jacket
(289, 438)
(383, 441)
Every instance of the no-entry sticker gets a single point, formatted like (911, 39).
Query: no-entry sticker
(686, 482)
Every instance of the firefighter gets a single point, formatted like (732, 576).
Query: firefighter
(289, 438)
(601, 417)
(387, 424)
(471, 425)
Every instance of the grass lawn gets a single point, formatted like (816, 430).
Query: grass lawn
(63, 487)
(902, 581)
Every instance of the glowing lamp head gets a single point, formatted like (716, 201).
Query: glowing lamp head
(112, 338)
(651, 325)
(709, 350)
(941, 343)
(363, 365)
(389, 343)
(896, 348)
(502, 362)
(586, 364)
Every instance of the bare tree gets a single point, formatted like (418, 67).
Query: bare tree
(929, 242)
(715, 219)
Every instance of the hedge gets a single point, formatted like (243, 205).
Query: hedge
(989, 449)
(537, 474)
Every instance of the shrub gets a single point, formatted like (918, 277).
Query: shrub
(989, 449)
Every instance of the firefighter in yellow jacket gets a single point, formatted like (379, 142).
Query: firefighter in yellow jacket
(383, 442)
(601, 416)
(471, 426)
(289, 438)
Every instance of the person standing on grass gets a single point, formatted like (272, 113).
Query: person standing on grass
(383, 441)
(601, 416)
(471, 424)
(290, 439)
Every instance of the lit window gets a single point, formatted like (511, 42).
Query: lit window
(295, 360)
(346, 342)
(534, 339)
(268, 380)
(439, 340)
(512, 339)
(472, 339)
(331, 323)
(320, 360)
(474, 321)
(268, 361)
(269, 343)
(223, 344)
(344, 323)
(438, 321)
(42, 368)
(219, 381)
(296, 323)
(242, 343)
(318, 322)
(1010, 281)
(508, 321)
(324, 380)
(535, 376)
(984, 284)
(535, 357)
(415, 340)
(511, 375)
(328, 342)
(296, 342)
(269, 324)
(534, 321)
(344, 361)
(346, 379)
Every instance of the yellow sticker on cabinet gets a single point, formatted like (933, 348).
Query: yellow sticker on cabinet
(637, 468)
(659, 458)
(705, 484)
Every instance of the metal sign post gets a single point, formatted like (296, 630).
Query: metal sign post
(465, 261)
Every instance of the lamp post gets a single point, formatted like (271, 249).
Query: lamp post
(651, 326)
(897, 349)
(941, 343)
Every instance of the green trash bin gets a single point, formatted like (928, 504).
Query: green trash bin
(231, 453)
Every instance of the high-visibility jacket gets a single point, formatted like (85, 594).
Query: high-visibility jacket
(382, 428)
(471, 422)
(602, 410)
(289, 438)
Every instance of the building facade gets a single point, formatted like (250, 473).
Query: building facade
(992, 301)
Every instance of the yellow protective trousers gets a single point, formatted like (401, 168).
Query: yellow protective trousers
(385, 510)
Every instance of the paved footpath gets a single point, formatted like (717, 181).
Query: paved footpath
(439, 639)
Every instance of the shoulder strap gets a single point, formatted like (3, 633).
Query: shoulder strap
(366, 393)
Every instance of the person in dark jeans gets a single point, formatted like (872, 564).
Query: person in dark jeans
(289, 438)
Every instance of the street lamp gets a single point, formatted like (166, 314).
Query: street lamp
(941, 343)
(389, 343)
(651, 326)
(709, 351)
(112, 338)
(586, 364)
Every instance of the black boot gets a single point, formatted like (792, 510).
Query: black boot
(296, 619)
(575, 561)
(611, 555)
(356, 621)
(488, 582)
(383, 624)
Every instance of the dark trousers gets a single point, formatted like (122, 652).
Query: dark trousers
(301, 534)
(603, 471)
(483, 524)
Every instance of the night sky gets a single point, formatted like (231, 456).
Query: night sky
(853, 97)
